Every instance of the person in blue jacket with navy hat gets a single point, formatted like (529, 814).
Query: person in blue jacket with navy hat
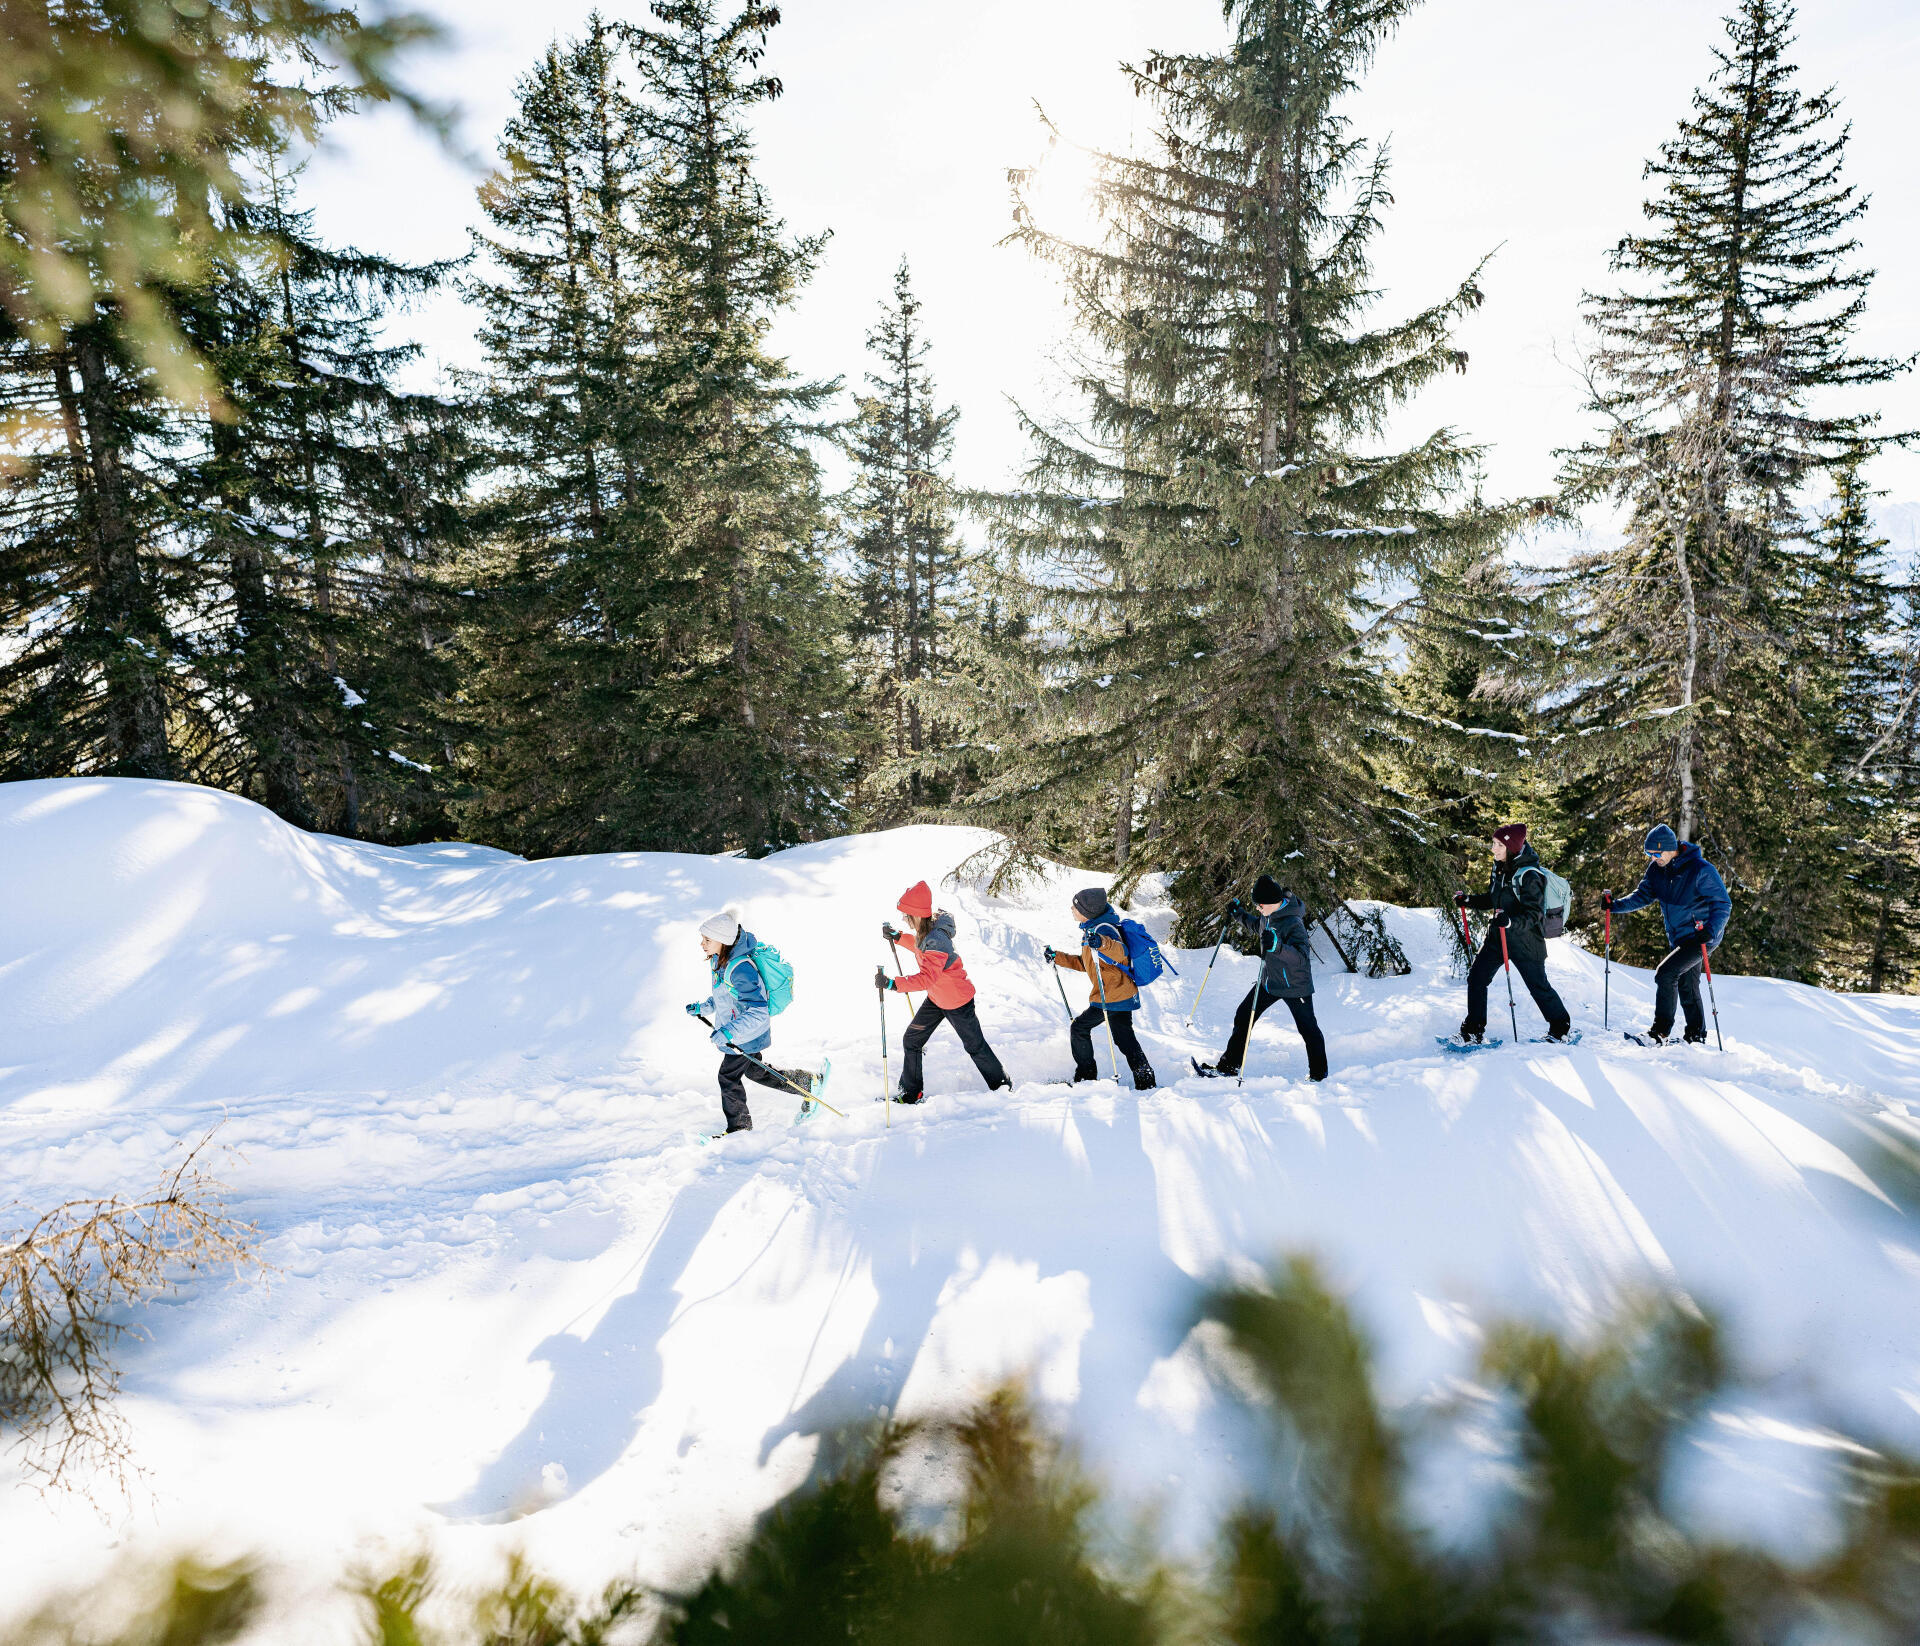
(1694, 903)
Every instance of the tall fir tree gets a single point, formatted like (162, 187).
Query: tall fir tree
(659, 665)
(92, 677)
(1212, 563)
(1859, 631)
(909, 565)
(1713, 376)
(326, 505)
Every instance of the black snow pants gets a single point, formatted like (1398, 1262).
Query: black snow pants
(1533, 972)
(1086, 1066)
(1256, 1003)
(736, 1067)
(966, 1024)
(1678, 978)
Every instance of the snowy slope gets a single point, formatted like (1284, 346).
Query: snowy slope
(516, 1306)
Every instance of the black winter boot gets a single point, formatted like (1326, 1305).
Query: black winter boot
(1143, 1077)
(1472, 1034)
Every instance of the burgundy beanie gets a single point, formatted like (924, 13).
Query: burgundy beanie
(1513, 836)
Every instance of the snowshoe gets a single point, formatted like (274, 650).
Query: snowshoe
(1212, 1071)
(1453, 1043)
(1648, 1039)
(1570, 1038)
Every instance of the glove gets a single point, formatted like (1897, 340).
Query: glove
(696, 1008)
(1236, 907)
(889, 932)
(881, 981)
(1606, 900)
(1050, 952)
(1501, 917)
(1460, 899)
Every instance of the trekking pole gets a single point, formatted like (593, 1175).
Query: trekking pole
(1606, 979)
(1707, 960)
(894, 950)
(1507, 964)
(768, 1068)
(1065, 1004)
(1466, 931)
(1100, 983)
(1204, 981)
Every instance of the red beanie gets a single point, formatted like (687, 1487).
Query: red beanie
(1513, 836)
(916, 901)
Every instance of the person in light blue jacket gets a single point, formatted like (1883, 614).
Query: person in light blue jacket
(742, 1024)
(1695, 906)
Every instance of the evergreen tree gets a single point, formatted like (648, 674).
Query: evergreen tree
(1713, 375)
(660, 666)
(575, 597)
(1215, 559)
(91, 677)
(324, 503)
(908, 562)
(1861, 635)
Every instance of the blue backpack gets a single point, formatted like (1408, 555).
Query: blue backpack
(1145, 962)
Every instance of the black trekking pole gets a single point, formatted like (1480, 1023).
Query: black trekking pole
(1065, 1004)
(1606, 982)
(892, 949)
(1506, 964)
(1210, 960)
(886, 1072)
(1707, 960)
(768, 1068)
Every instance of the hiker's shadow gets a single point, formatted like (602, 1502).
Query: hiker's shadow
(1053, 1213)
(602, 1384)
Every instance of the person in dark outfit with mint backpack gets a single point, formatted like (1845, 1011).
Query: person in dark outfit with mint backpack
(1278, 921)
(1516, 896)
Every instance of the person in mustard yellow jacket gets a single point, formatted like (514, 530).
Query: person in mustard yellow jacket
(1111, 990)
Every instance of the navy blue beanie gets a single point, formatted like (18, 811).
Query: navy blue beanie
(1660, 838)
(1091, 903)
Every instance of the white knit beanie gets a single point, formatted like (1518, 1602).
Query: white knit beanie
(721, 927)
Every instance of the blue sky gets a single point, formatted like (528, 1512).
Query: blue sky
(1521, 125)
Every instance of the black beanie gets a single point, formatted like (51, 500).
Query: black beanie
(1090, 903)
(1268, 890)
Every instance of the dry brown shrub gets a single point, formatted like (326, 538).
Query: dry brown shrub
(69, 1277)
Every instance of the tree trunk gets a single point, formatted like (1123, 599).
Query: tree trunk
(120, 608)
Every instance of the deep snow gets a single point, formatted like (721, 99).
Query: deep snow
(516, 1306)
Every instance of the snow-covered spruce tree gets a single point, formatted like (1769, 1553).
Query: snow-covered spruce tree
(1713, 376)
(324, 504)
(909, 565)
(1211, 563)
(658, 661)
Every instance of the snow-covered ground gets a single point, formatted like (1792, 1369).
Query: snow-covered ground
(517, 1306)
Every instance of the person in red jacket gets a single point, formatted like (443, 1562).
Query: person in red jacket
(949, 994)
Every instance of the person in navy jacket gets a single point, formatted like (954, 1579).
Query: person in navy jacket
(1694, 903)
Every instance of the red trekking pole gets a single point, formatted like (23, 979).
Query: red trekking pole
(1706, 959)
(1466, 931)
(1507, 964)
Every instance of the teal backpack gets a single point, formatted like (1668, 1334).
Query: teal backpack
(776, 973)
